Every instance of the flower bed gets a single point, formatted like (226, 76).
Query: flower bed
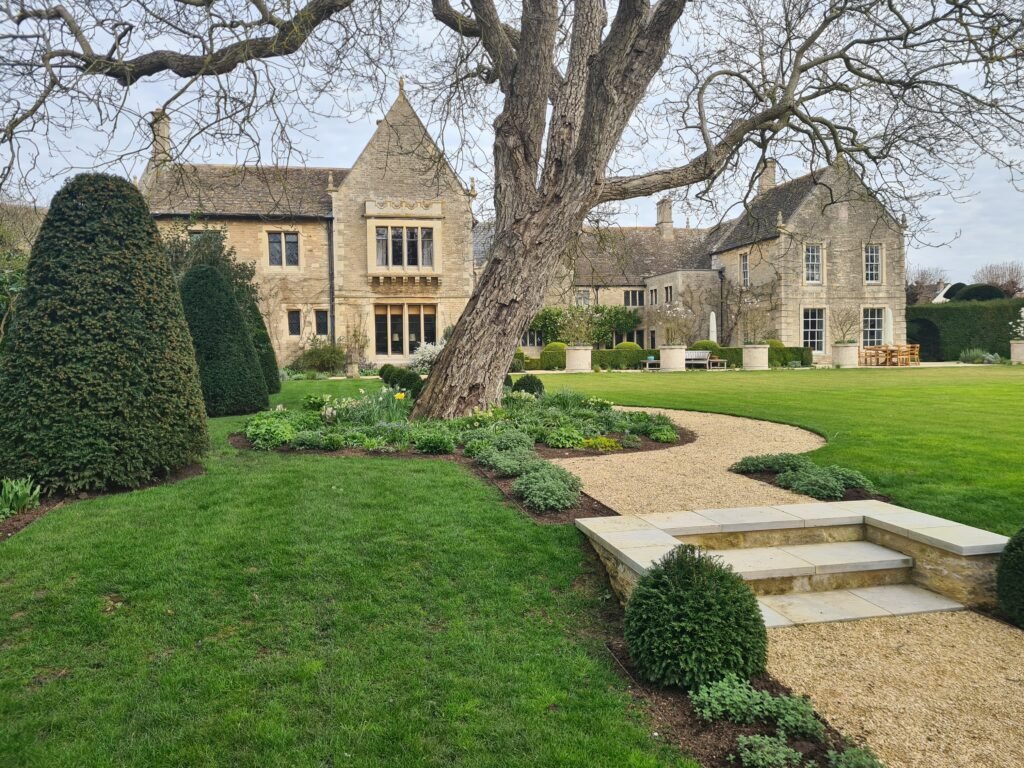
(502, 442)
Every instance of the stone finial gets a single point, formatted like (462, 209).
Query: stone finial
(472, 187)
(779, 223)
(330, 180)
(401, 84)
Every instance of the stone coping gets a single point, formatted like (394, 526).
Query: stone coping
(657, 530)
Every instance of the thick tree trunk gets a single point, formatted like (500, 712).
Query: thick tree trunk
(470, 370)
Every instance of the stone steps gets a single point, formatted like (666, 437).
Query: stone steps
(817, 567)
(817, 561)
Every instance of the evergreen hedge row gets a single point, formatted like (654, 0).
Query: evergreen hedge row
(945, 330)
(621, 359)
(229, 369)
(98, 381)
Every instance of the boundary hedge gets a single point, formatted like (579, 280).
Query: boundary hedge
(956, 326)
(623, 359)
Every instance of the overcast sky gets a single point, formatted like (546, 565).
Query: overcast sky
(987, 227)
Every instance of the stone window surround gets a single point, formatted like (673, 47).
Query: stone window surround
(881, 262)
(881, 323)
(745, 270)
(654, 296)
(267, 230)
(632, 297)
(823, 265)
(825, 326)
(403, 213)
(405, 304)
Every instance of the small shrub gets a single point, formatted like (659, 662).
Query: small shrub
(529, 383)
(630, 345)
(664, 434)
(385, 373)
(1010, 579)
(814, 481)
(850, 478)
(974, 355)
(518, 399)
(321, 355)
(548, 488)
(564, 437)
(707, 345)
(317, 402)
(513, 463)
(771, 462)
(409, 381)
(269, 430)
(425, 356)
(335, 441)
(511, 440)
(630, 440)
(766, 752)
(17, 495)
(433, 440)
(691, 620)
(601, 444)
(309, 440)
(507, 381)
(853, 757)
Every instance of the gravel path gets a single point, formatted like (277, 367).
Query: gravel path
(696, 475)
(936, 690)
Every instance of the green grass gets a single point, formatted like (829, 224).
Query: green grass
(946, 441)
(290, 610)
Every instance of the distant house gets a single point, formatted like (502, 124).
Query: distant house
(384, 247)
(811, 257)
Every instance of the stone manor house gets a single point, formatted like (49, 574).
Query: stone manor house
(389, 248)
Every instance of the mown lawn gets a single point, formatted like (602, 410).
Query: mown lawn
(947, 441)
(290, 610)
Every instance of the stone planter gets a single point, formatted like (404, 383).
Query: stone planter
(845, 355)
(755, 357)
(673, 357)
(352, 370)
(1017, 351)
(577, 360)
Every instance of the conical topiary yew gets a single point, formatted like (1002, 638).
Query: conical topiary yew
(228, 367)
(98, 381)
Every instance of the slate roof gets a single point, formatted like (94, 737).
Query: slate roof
(628, 255)
(758, 222)
(239, 190)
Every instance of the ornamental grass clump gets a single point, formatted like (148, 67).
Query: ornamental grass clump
(1010, 579)
(691, 621)
(99, 387)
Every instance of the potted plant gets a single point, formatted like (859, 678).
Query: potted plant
(1017, 339)
(845, 350)
(756, 332)
(677, 325)
(578, 331)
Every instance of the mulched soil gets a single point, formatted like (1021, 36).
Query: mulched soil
(671, 712)
(851, 494)
(12, 525)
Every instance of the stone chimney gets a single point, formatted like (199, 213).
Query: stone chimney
(766, 180)
(665, 226)
(161, 137)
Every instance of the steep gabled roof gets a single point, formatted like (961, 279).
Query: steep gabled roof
(175, 189)
(761, 216)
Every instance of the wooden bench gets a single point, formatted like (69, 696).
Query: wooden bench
(650, 364)
(701, 358)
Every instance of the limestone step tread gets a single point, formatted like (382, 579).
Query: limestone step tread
(755, 563)
(850, 604)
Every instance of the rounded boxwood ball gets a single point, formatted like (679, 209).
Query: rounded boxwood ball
(1010, 579)
(691, 621)
(98, 380)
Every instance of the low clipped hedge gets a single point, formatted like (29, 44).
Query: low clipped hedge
(1010, 580)
(620, 359)
(552, 357)
(691, 620)
(945, 330)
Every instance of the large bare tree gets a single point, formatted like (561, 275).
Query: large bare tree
(1007, 276)
(592, 104)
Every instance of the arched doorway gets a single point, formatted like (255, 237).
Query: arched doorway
(926, 333)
